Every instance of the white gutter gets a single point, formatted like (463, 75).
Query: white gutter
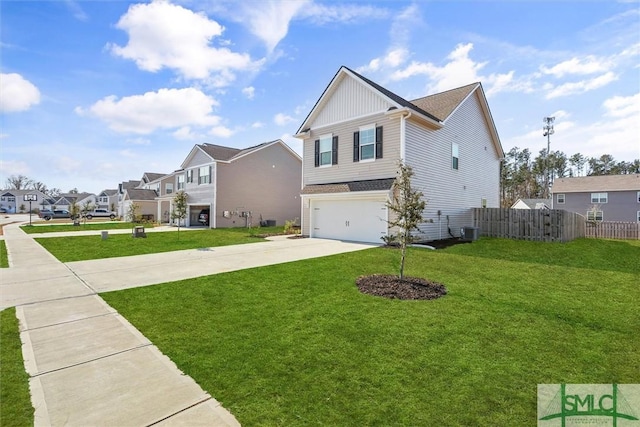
(403, 128)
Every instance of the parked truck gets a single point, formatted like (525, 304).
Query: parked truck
(99, 213)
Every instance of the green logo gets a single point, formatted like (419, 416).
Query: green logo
(591, 404)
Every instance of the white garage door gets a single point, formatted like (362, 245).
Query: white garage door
(355, 220)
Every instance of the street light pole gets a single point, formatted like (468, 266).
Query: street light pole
(547, 131)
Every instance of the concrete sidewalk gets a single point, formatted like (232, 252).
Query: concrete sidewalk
(88, 365)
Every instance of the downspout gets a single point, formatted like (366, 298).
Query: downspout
(403, 129)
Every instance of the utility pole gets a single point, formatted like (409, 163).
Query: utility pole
(547, 131)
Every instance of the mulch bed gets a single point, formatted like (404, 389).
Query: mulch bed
(445, 243)
(409, 288)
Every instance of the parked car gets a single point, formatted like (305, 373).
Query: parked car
(203, 218)
(99, 213)
(56, 213)
(3, 210)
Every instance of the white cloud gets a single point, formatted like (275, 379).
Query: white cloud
(185, 133)
(325, 13)
(14, 167)
(573, 88)
(165, 35)
(67, 165)
(17, 93)
(221, 131)
(269, 19)
(623, 106)
(588, 65)
(165, 109)
(257, 125)
(139, 141)
(249, 92)
(282, 119)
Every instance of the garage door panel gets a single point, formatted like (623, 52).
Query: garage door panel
(356, 220)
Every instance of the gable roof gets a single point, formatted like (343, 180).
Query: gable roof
(151, 176)
(140, 194)
(393, 98)
(433, 109)
(221, 153)
(629, 182)
(534, 203)
(442, 104)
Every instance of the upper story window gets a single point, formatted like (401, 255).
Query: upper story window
(204, 175)
(638, 216)
(455, 155)
(599, 197)
(326, 150)
(367, 143)
(190, 175)
(560, 199)
(180, 182)
(103, 199)
(638, 196)
(168, 188)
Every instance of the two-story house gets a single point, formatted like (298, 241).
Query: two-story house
(599, 198)
(358, 132)
(13, 201)
(240, 187)
(107, 199)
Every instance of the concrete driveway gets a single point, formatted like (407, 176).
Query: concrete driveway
(111, 274)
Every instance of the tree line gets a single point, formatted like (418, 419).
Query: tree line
(22, 182)
(524, 177)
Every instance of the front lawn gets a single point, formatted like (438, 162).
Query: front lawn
(84, 226)
(296, 344)
(15, 403)
(82, 248)
(4, 260)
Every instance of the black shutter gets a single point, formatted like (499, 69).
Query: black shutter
(317, 152)
(334, 151)
(379, 142)
(356, 146)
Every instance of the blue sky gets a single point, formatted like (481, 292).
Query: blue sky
(94, 93)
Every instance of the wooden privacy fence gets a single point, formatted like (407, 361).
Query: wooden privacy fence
(549, 225)
(613, 230)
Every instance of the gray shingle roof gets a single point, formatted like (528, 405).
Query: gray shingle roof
(219, 152)
(443, 104)
(630, 182)
(351, 186)
(141, 194)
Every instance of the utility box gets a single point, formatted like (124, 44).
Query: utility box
(469, 234)
(104, 234)
(138, 231)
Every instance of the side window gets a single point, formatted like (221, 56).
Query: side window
(560, 199)
(594, 215)
(638, 196)
(190, 175)
(455, 156)
(599, 197)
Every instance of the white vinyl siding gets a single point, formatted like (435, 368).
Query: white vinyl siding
(346, 169)
(448, 192)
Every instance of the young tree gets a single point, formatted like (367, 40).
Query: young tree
(132, 212)
(406, 208)
(74, 210)
(179, 211)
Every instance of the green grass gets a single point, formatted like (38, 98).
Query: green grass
(15, 403)
(4, 260)
(81, 248)
(296, 344)
(84, 226)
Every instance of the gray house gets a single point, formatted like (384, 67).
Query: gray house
(358, 132)
(599, 198)
(241, 186)
(12, 201)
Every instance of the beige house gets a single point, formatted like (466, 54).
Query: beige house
(240, 187)
(358, 132)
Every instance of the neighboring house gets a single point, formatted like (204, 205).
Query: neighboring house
(107, 199)
(532, 204)
(599, 198)
(165, 187)
(64, 201)
(358, 132)
(144, 199)
(241, 186)
(13, 200)
(122, 187)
